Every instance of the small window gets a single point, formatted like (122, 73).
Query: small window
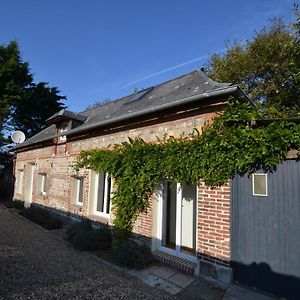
(102, 196)
(42, 183)
(259, 184)
(77, 188)
(63, 128)
(19, 182)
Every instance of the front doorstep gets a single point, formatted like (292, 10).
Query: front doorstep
(176, 262)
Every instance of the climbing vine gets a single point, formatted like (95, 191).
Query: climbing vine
(227, 146)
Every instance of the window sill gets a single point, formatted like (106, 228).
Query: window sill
(77, 208)
(100, 218)
(103, 215)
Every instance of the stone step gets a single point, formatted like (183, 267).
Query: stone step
(175, 262)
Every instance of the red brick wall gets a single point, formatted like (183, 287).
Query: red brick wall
(214, 222)
(143, 224)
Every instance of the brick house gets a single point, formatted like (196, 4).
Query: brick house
(187, 226)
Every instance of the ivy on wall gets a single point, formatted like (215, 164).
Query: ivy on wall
(225, 147)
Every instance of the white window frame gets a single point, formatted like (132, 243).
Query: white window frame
(107, 196)
(253, 192)
(19, 182)
(78, 187)
(43, 183)
(63, 128)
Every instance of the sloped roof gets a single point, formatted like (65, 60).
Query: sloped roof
(194, 86)
(65, 114)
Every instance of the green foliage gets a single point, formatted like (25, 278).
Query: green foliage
(24, 105)
(14, 204)
(76, 227)
(39, 103)
(296, 25)
(41, 217)
(14, 76)
(131, 254)
(267, 67)
(225, 147)
(84, 237)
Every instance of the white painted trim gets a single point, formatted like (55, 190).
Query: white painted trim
(29, 183)
(160, 216)
(43, 183)
(90, 196)
(95, 211)
(76, 191)
(178, 216)
(260, 195)
(19, 182)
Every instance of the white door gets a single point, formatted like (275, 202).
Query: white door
(177, 226)
(29, 184)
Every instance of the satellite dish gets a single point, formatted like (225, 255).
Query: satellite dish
(18, 137)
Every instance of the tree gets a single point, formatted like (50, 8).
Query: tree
(38, 104)
(24, 105)
(14, 77)
(296, 25)
(266, 67)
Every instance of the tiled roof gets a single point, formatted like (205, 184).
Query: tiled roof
(195, 85)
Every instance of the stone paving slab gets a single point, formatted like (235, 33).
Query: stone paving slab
(166, 278)
(201, 291)
(163, 272)
(236, 292)
(181, 280)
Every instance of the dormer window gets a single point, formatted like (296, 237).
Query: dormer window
(65, 120)
(63, 128)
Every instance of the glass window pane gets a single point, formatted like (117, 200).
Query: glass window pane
(188, 218)
(101, 191)
(169, 214)
(80, 190)
(259, 182)
(108, 194)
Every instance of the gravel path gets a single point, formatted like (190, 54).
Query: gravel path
(34, 264)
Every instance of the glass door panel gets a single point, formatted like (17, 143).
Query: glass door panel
(188, 219)
(101, 192)
(169, 214)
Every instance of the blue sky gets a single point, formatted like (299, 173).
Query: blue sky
(98, 49)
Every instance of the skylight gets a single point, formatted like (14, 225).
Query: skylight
(138, 95)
